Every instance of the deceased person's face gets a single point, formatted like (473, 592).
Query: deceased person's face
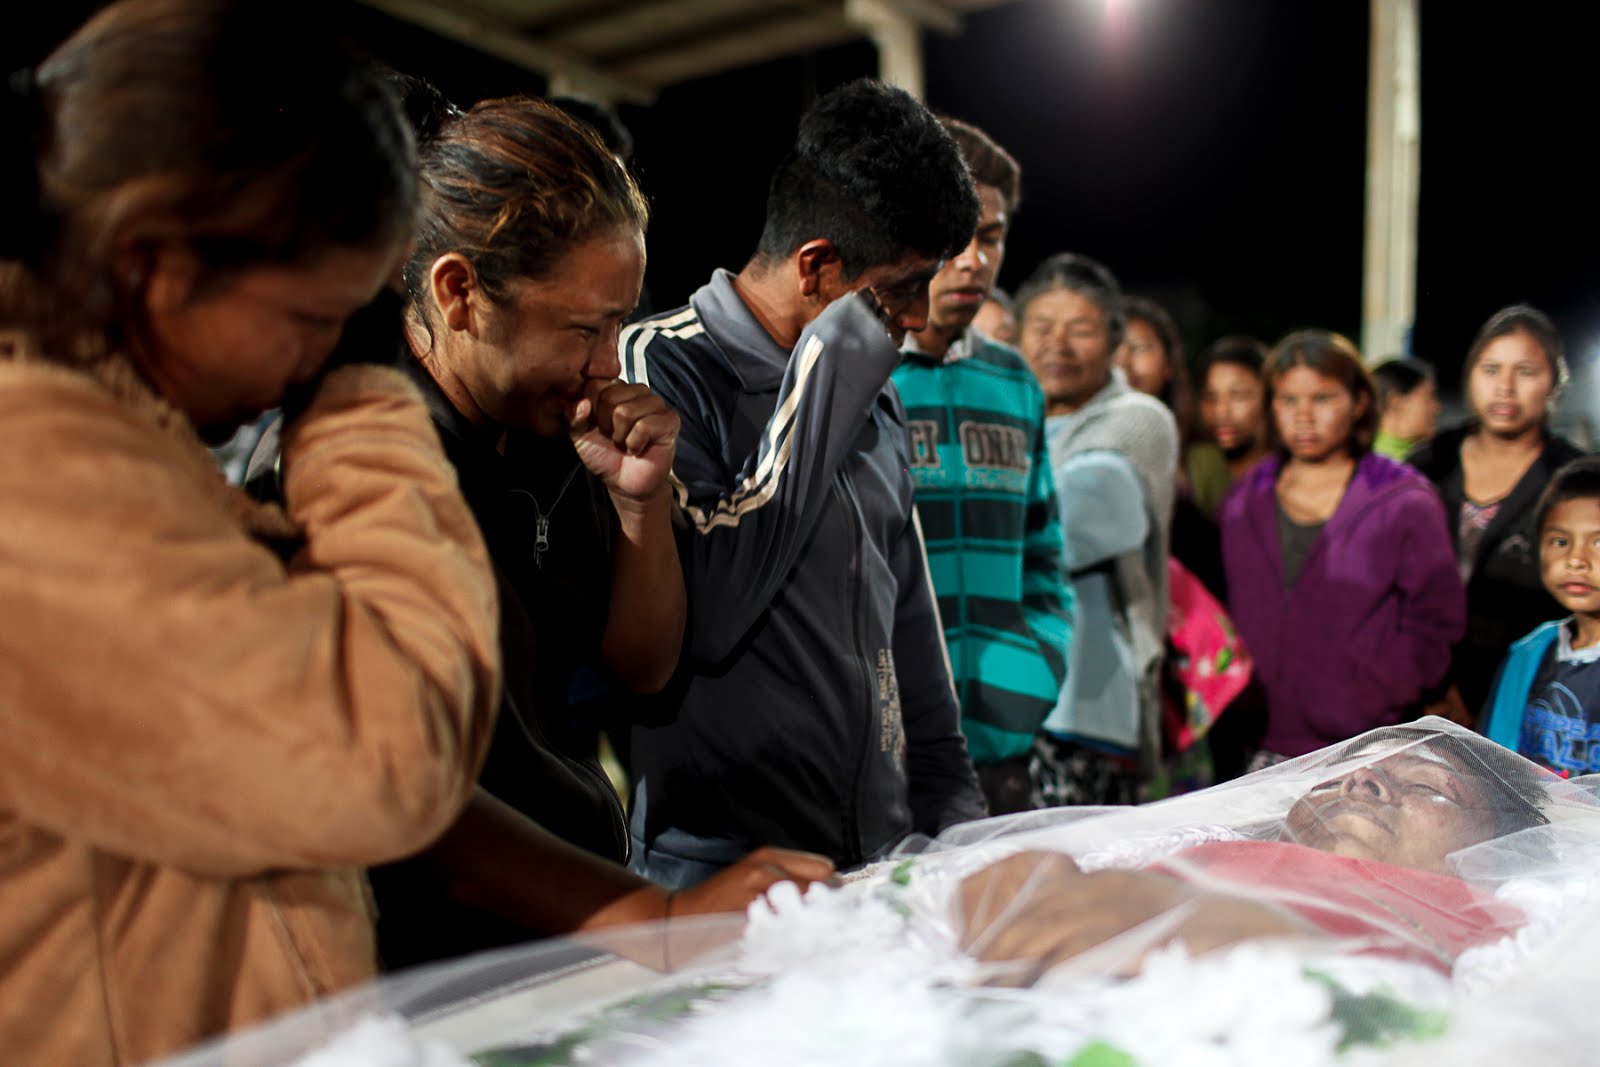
(1411, 809)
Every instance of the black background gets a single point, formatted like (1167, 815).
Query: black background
(1211, 152)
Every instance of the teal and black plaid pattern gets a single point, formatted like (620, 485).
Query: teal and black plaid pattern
(989, 516)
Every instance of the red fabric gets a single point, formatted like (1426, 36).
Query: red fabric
(1399, 912)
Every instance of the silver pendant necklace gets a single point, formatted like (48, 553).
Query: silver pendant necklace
(541, 520)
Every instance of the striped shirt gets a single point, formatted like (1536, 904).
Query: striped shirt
(988, 506)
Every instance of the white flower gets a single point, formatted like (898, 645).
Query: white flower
(380, 1041)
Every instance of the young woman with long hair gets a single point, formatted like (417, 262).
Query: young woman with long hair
(1340, 573)
(1490, 473)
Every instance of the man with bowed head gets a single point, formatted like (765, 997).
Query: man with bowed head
(818, 711)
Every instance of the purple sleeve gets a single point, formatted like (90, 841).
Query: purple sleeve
(1432, 613)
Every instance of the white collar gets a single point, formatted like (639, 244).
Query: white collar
(1565, 653)
(961, 348)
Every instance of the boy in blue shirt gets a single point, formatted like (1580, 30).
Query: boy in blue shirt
(1546, 702)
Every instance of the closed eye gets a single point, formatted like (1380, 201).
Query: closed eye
(1432, 793)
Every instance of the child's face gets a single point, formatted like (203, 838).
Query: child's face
(1569, 554)
(1315, 414)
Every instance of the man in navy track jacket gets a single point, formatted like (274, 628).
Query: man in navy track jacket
(818, 711)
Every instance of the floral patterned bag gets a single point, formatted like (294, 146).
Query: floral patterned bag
(1207, 664)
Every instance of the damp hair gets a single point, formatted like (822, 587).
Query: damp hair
(874, 173)
(1577, 480)
(1333, 356)
(426, 107)
(514, 185)
(175, 121)
(1088, 278)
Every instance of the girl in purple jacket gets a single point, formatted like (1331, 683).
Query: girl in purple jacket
(1341, 576)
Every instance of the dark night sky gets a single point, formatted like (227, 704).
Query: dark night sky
(1211, 152)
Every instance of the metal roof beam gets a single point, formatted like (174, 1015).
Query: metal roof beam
(772, 40)
(499, 39)
(524, 13)
(633, 29)
(898, 38)
(925, 13)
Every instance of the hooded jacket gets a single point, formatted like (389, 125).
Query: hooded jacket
(1369, 621)
(202, 740)
(818, 710)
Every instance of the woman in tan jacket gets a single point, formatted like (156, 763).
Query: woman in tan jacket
(213, 714)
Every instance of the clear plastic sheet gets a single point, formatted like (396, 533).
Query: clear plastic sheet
(1417, 895)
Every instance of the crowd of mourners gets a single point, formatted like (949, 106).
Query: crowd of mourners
(852, 547)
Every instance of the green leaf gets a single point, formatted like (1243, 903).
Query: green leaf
(902, 873)
(571, 1048)
(1100, 1054)
(557, 1053)
(1379, 1018)
(1027, 1058)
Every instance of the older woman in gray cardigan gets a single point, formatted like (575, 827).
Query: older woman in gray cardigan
(1114, 453)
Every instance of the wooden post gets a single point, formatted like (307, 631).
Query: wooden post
(1394, 137)
(898, 36)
